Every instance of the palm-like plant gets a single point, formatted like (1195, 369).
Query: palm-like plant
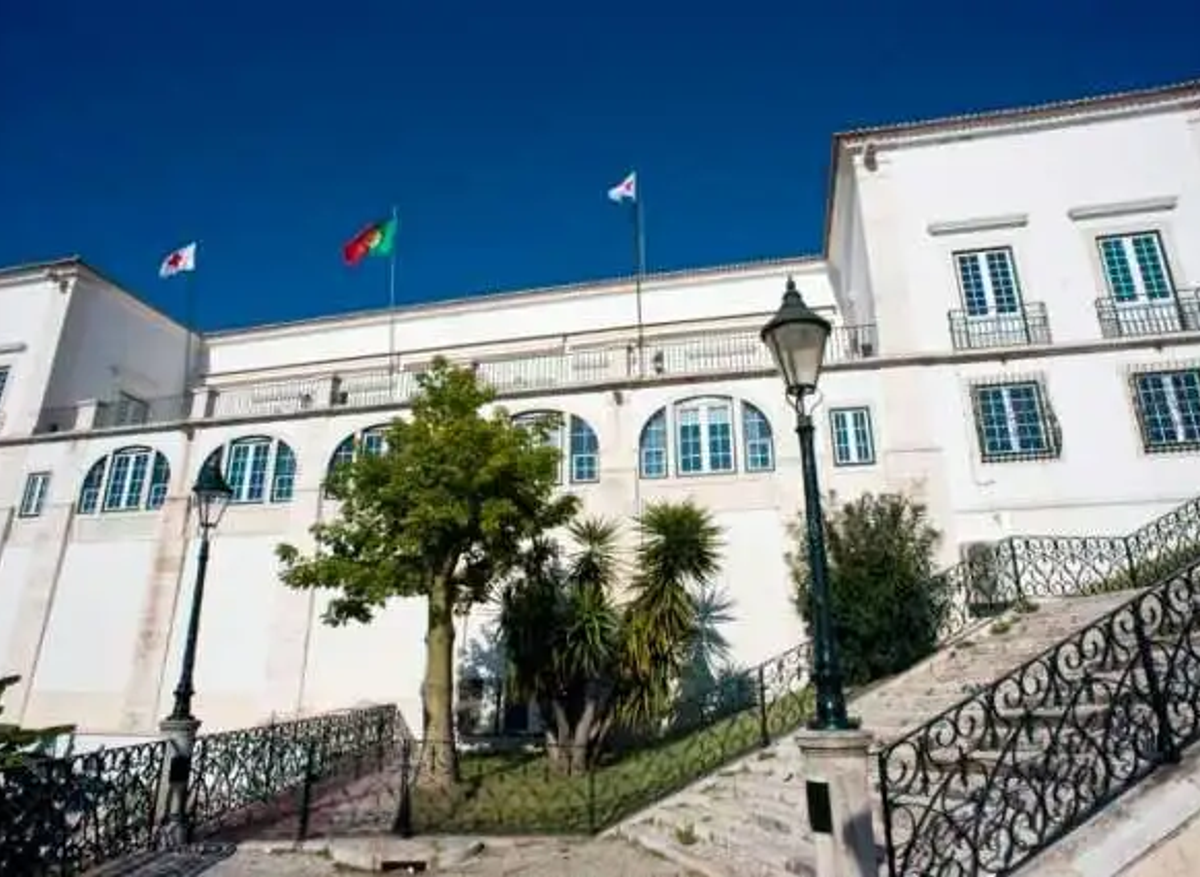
(562, 635)
(679, 554)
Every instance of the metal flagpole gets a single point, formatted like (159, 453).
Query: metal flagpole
(189, 320)
(392, 309)
(639, 267)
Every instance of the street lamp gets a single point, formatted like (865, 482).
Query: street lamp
(796, 337)
(210, 496)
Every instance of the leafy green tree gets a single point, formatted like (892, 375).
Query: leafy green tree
(588, 664)
(886, 600)
(17, 744)
(441, 513)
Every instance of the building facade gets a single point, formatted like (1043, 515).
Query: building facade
(1016, 343)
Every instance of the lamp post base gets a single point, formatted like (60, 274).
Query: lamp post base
(838, 792)
(180, 735)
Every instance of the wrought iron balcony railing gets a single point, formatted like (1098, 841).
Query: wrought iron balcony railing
(1029, 324)
(1180, 313)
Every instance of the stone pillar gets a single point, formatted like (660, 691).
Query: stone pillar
(174, 789)
(838, 792)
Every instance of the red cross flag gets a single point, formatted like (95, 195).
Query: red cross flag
(626, 190)
(183, 259)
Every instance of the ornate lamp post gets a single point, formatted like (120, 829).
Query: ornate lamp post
(796, 337)
(210, 496)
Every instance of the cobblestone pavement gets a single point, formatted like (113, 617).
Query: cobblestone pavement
(535, 858)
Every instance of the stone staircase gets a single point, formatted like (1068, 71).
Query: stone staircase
(749, 818)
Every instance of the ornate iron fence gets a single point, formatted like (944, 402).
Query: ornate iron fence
(985, 786)
(241, 777)
(995, 575)
(64, 816)
(523, 785)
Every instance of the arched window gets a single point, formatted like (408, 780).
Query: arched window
(758, 446)
(652, 446)
(126, 480)
(704, 436)
(581, 460)
(585, 452)
(257, 468)
(371, 441)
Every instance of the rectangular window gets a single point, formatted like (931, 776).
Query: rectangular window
(988, 282)
(1135, 267)
(3, 380)
(131, 410)
(248, 470)
(1168, 409)
(125, 481)
(1013, 422)
(853, 444)
(33, 499)
(705, 437)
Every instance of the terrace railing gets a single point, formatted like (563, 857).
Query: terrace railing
(65, 816)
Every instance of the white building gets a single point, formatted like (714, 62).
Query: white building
(1017, 342)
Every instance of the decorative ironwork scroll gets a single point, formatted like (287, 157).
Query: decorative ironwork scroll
(984, 787)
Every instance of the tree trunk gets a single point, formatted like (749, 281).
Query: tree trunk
(439, 756)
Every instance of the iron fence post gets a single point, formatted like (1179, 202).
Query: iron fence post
(306, 789)
(881, 765)
(1168, 752)
(1016, 568)
(764, 732)
(1133, 576)
(403, 823)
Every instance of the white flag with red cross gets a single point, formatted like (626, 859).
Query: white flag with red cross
(178, 261)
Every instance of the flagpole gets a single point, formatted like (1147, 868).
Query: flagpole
(639, 267)
(189, 318)
(392, 312)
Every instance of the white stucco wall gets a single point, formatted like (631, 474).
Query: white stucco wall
(93, 606)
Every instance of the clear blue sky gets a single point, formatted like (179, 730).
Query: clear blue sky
(272, 131)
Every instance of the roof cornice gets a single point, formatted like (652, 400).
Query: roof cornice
(485, 301)
(1066, 112)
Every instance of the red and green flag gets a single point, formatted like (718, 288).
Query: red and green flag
(377, 239)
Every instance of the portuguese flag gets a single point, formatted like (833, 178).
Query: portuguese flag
(377, 239)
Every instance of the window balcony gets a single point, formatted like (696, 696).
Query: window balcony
(1129, 319)
(1028, 324)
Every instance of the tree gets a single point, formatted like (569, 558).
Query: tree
(588, 664)
(17, 744)
(886, 601)
(441, 513)
(562, 637)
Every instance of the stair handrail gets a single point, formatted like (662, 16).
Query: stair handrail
(985, 751)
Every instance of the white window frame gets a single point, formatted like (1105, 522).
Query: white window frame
(33, 496)
(748, 410)
(1140, 295)
(664, 448)
(122, 501)
(980, 258)
(241, 488)
(704, 407)
(844, 416)
(1173, 408)
(1015, 451)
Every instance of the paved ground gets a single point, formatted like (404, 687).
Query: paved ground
(534, 858)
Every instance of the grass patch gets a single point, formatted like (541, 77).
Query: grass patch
(523, 793)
